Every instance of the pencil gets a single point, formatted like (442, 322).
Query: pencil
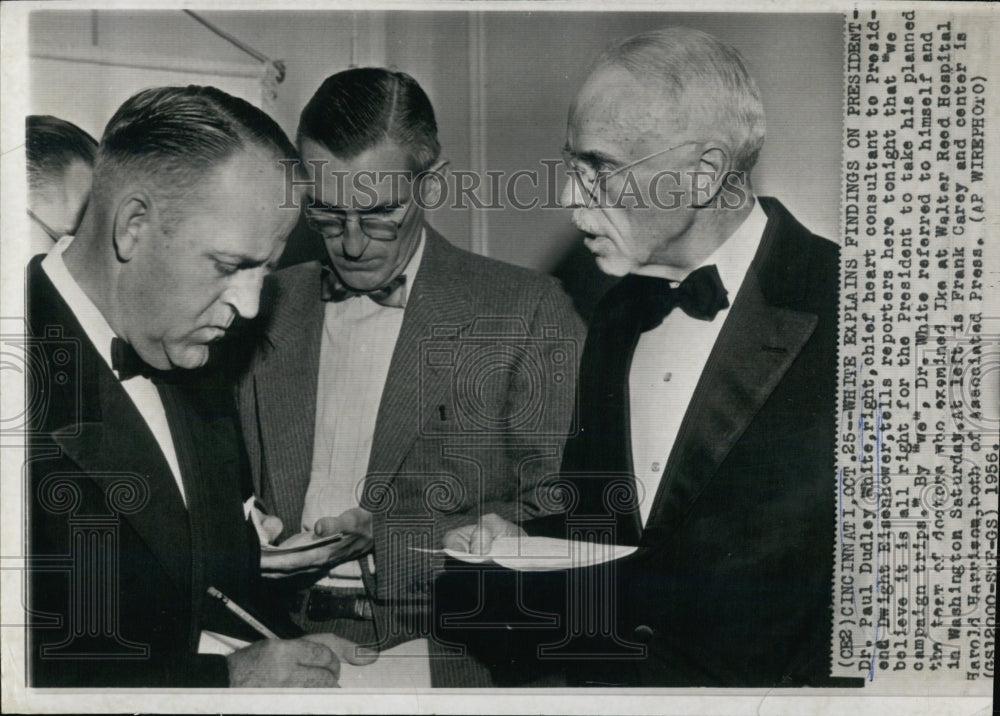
(242, 614)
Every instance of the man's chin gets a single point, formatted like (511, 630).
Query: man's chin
(188, 357)
(613, 264)
(362, 280)
(613, 267)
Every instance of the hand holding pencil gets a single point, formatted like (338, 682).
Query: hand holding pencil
(310, 661)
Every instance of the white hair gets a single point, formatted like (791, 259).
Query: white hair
(704, 78)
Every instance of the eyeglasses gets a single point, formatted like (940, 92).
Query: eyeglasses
(53, 234)
(593, 180)
(332, 223)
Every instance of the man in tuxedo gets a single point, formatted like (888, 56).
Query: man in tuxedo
(136, 477)
(402, 386)
(707, 394)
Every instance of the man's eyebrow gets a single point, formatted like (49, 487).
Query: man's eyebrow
(241, 261)
(381, 208)
(593, 157)
(320, 206)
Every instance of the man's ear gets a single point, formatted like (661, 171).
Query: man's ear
(433, 184)
(132, 218)
(714, 165)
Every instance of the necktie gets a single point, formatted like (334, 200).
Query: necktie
(393, 294)
(127, 364)
(701, 295)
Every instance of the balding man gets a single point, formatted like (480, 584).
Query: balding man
(138, 483)
(707, 389)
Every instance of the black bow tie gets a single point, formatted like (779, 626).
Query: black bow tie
(701, 295)
(393, 294)
(127, 364)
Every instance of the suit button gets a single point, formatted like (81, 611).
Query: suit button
(420, 587)
(643, 633)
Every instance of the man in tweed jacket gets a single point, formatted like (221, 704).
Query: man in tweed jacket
(394, 409)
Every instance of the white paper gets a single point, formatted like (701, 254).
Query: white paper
(406, 666)
(542, 554)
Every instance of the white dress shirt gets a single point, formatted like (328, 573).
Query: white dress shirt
(359, 337)
(141, 390)
(669, 360)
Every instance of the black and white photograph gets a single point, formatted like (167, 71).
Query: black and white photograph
(499, 357)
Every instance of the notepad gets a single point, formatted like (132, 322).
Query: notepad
(301, 542)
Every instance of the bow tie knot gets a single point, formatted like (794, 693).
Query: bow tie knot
(701, 295)
(129, 364)
(393, 294)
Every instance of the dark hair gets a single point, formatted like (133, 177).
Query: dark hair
(51, 145)
(175, 135)
(356, 109)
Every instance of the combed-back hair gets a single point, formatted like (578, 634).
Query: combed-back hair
(52, 145)
(174, 136)
(706, 83)
(354, 110)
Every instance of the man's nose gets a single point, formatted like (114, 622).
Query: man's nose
(244, 294)
(354, 241)
(572, 194)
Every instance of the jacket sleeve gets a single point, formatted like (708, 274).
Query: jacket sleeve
(139, 641)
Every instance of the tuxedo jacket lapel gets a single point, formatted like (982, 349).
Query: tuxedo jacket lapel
(756, 347)
(759, 341)
(99, 448)
(285, 392)
(109, 441)
(437, 309)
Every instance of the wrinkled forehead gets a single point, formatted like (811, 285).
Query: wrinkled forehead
(613, 105)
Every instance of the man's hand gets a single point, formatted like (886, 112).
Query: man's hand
(312, 661)
(478, 538)
(270, 528)
(346, 651)
(356, 526)
(279, 662)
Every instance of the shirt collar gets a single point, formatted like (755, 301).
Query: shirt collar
(93, 322)
(732, 258)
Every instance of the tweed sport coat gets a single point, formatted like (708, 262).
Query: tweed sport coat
(475, 410)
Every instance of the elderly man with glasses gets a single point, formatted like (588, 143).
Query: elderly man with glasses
(707, 401)
(403, 387)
